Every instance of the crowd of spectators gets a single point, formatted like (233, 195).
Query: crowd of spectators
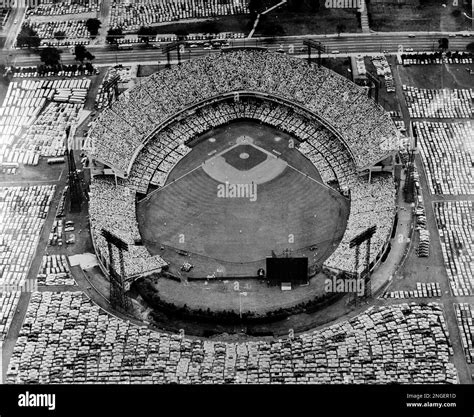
(454, 220)
(8, 304)
(34, 115)
(339, 103)
(57, 8)
(168, 146)
(465, 319)
(372, 204)
(447, 154)
(55, 270)
(442, 104)
(130, 16)
(23, 211)
(330, 155)
(112, 207)
(65, 338)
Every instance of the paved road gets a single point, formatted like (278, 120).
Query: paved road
(345, 44)
(12, 29)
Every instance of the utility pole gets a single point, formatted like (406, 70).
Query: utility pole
(314, 45)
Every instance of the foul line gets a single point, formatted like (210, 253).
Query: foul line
(318, 182)
(170, 183)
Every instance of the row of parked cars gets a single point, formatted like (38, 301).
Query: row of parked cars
(65, 338)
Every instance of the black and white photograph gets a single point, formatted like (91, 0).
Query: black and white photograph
(230, 199)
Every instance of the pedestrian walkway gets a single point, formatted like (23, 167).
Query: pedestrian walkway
(364, 18)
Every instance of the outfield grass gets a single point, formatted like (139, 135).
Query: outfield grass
(237, 234)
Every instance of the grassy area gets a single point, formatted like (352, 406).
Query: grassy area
(322, 22)
(277, 23)
(236, 23)
(429, 16)
(437, 76)
(146, 70)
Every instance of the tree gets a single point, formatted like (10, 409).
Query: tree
(269, 28)
(340, 28)
(456, 13)
(181, 34)
(210, 27)
(256, 6)
(50, 56)
(60, 35)
(28, 37)
(303, 6)
(443, 44)
(113, 35)
(145, 33)
(470, 47)
(81, 54)
(93, 26)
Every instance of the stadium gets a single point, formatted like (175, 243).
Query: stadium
(301, 135)
(236, 192)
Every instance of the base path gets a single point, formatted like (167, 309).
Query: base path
(244, 163)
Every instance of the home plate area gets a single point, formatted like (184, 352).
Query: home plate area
(244, 163)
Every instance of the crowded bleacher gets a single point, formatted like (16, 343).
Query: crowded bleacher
(65, 338)
(361, 123)
(371, 204)
(139, 110)
(112, 207)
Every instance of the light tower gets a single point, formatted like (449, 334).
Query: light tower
(356, 242)
(117, 279)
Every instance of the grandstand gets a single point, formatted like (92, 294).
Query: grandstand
(361, 124)
(158, 119)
